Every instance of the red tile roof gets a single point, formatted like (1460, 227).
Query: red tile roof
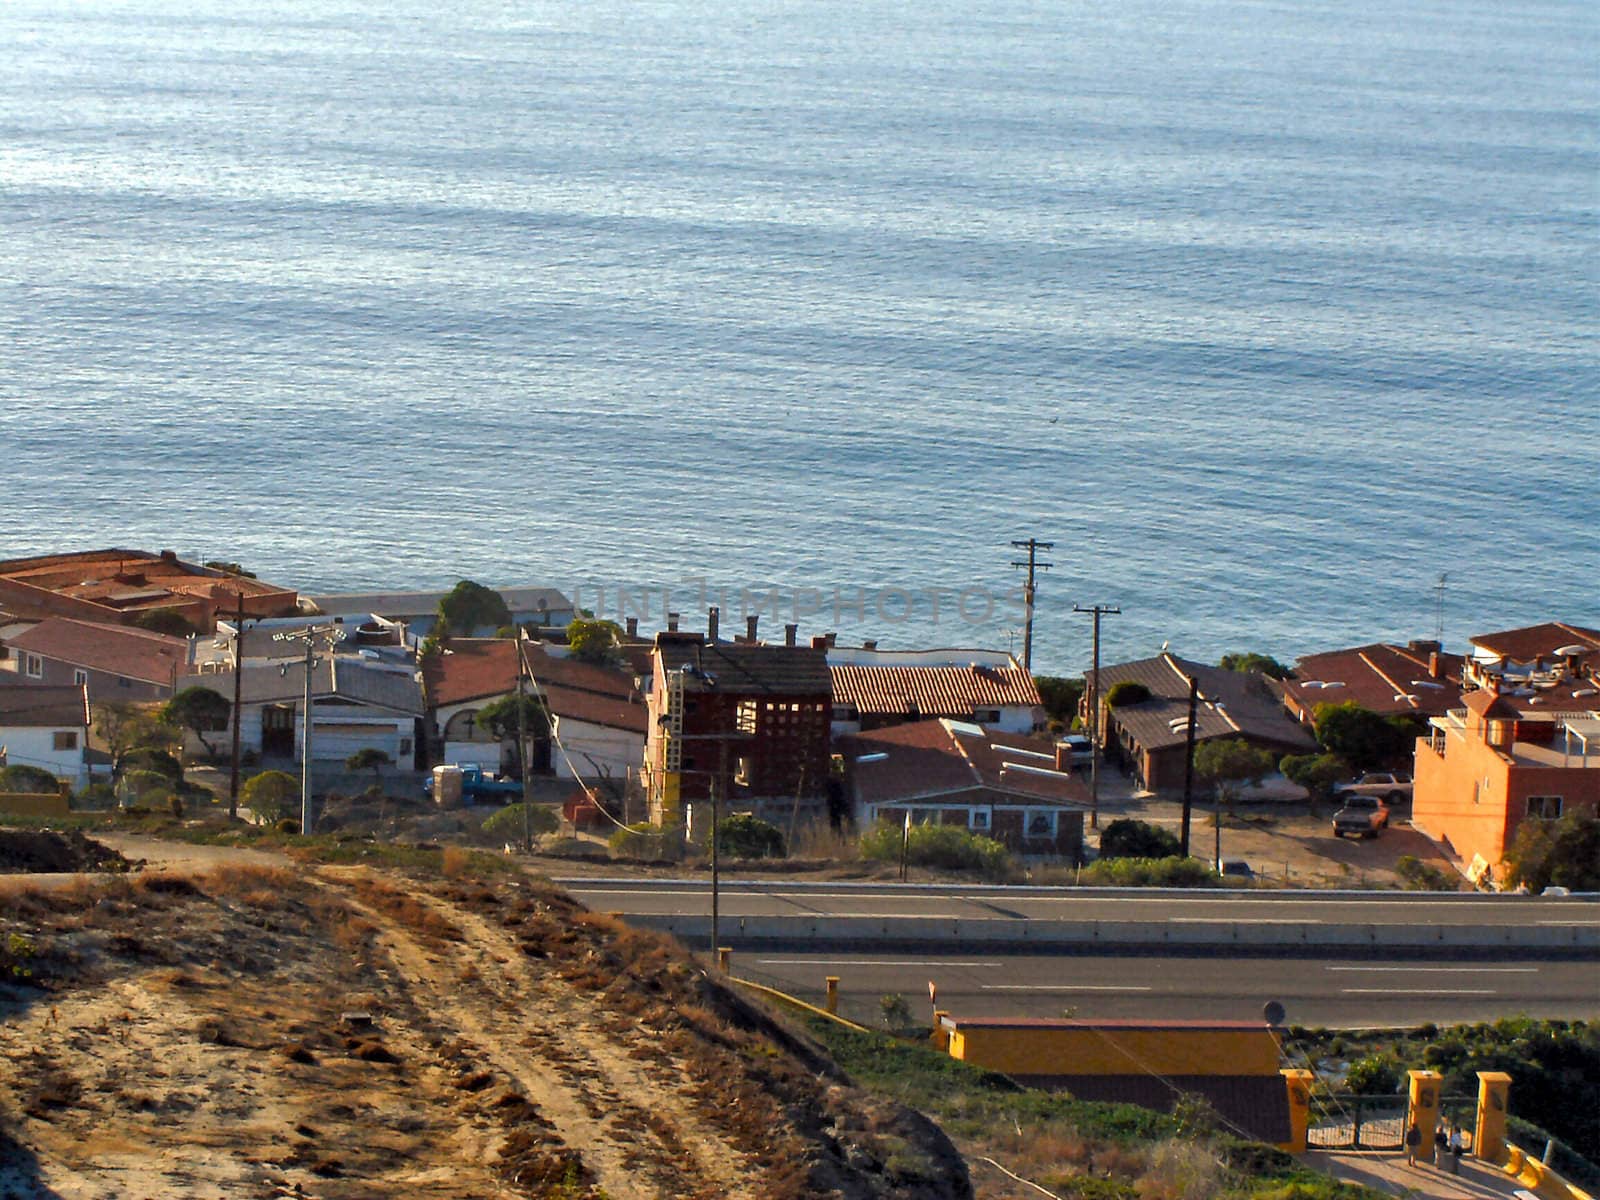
(114, 649)
(117, 581)
(1537, 641)
(952, 691)
(927, 760)
(1381, 677)
(483, 668)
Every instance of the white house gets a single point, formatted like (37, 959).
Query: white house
(47, 727)
(357, 704)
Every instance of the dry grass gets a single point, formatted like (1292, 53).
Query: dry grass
(454, 862)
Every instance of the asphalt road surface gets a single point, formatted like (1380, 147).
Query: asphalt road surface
(1340, 993)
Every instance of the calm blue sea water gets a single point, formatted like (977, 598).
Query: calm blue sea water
(1265, 313)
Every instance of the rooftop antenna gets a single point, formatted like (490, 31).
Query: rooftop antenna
(1438, 608)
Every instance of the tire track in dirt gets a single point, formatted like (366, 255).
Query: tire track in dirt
(535, 1029)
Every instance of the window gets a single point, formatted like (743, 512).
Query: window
(80, 677)
(33, 665)
(986, 716)
(978, 818)
(1042, 825)
(1544, 808)
(124, 681)
(66, 739)
(405, 747)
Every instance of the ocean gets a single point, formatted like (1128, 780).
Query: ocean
(1266, 315)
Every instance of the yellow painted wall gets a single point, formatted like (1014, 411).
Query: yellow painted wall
(1298, 1082)
(33, 804)
(1080, 1050)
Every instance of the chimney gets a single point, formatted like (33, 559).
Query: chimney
(830, 638)
(750, 624)
(869, 645)
(1435, 667)
(633, 628)
(169, 556)
(713, 621)
(790, 632)
(1063, 757)
(820, 642)
(672, 622)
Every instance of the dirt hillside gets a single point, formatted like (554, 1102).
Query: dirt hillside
(347, 1032)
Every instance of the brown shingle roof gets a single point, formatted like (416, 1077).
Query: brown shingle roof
(1233, 703)
(745, 668)
(114, 649)
(1373, 676)
(948, 691)
(37, 706)
(483, 668)
(945, 759)
(1537, 641)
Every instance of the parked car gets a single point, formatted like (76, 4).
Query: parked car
(1235, 868)
(1361, 816)
(1078, 749)
(1391, 786)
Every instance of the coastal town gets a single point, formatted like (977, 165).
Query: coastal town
(220, 727)
(623, 727)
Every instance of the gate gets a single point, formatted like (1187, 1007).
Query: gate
(1341, 1121)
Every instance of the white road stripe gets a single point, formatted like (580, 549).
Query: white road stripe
(868, 962)
(1419, 991)
(1063, 987)
(1234, 921)
(1462, 970)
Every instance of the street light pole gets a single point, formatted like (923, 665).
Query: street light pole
(309, 635)
(716, 858)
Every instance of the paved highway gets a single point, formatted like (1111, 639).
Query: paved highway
(745, 898)
(1339, 993)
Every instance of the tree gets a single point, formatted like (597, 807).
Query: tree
(1129, 691)
(1229, 760)
(1563, 853)
(500, 719)
(370, 758)
(1361, 737)
(128, 727)
(164, 620)
(470, 606)
(20, 777)
(151, 761)
(1250, 661)
(1060, 697)
(745, 836)
(593, 641)
(200, 710)
(269, 794)
(1317, 773)
(1127, 838)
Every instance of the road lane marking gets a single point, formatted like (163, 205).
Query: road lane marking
(866, 962)
(1419, 991)
(1462, 970)
(1235, 921)
(1064, 988)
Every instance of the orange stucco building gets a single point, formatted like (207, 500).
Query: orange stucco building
(1486, 768)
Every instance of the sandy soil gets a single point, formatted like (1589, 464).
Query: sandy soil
(262, 1031)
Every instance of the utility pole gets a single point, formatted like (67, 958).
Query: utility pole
(1032, 546)
(1098, 610)
(238, 690)
(1438, 610)
(522, 748)
(310, 635)
(716, 839)
(1188, 764)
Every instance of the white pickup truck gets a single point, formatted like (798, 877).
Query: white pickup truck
(1389, 786)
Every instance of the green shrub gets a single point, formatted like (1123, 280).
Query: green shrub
(745, 836)
(154, 761)
(23, 779)
(507, 823)
(1129, 691)
(942, 847)
(650, 842)
(1375, 1075)
(896, 1010)
(270, 794)
(1419, 876)
(150, 787)
(1150, 872)
(1127, 838)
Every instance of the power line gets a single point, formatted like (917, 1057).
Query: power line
(1098, 611)
(1032, 546)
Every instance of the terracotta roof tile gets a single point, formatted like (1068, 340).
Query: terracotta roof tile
(114, 649)
(946, 691)
(925, 760)
(1373, 676)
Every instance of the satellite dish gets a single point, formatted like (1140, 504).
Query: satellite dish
(1272, 1013)
(1571, 651)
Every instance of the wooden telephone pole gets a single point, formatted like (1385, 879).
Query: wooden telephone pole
(1098, 610)
(1032, 546)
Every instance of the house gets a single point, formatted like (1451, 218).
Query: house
(47, 727)
(944, 772)
(262, 641)
(751, 716)
(419, 611)
(875, 688)
(358, 704)
(1524, 745)
(117, 663)
(597, 714)
(1151, 737)
(1231, 1064)
(1418, 679)
(119, 587)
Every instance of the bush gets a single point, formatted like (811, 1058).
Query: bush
(1419, 876)
(147, 786)
(507, 823)
(651, 842)
(1564, 853)
(269, 794)
(1150, 872)
(22, 778)
(1375, 1075)
(1129, 691)
(896, 1010)
(153, 761)
(1127, 838)
(96, 796)
(745, 836)
(942, 847)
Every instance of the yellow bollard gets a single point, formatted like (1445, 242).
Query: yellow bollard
(1423, 1109)
(833, 995)
(723, 953)
(1489, 1135)
(1298, 1083)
